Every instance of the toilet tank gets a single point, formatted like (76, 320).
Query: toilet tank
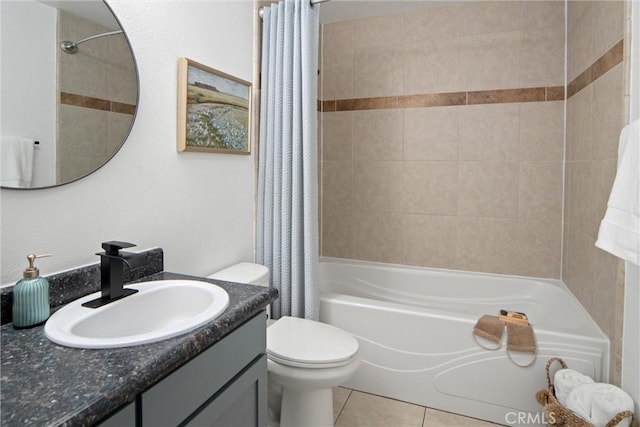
(244, 272)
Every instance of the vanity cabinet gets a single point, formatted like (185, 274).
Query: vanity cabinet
(225, 385)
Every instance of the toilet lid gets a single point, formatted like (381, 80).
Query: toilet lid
(302, 341)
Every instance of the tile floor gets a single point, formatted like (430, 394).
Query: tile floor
(357, 409)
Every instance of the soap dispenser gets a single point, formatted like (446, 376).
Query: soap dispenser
(31, 297)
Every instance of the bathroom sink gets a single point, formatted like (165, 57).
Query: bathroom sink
(160, 310)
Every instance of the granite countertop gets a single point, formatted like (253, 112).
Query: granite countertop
(43, 383)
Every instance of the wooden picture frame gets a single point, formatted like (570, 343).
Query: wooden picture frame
(214, 110)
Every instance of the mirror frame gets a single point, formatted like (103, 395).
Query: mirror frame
(127, 133)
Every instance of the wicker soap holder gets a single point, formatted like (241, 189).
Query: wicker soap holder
(558, 415)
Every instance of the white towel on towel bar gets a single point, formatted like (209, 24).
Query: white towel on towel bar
(17, 161)
(620, 229)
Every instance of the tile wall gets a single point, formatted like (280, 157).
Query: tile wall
(442, 137)
(97, 95)
(595, 116)
(442, 142)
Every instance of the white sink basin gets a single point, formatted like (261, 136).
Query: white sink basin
(160, 310)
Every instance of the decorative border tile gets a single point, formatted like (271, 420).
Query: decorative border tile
(96, 103)
(496, 96)
(610, 59)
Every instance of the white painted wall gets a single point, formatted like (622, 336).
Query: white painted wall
(198, 207)
(29, 80)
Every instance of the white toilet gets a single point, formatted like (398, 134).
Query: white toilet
(306, 359)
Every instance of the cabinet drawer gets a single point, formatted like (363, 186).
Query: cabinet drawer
(181, 393)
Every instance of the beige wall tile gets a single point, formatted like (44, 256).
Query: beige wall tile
(379, 31)
(490, 132)
(579, 126)
(590, 189)
(337, 186)
(486, 17)
(432, 66)
(580, 199)
(377, 186)
(580, 37)
(491, 61)
(122, 78)
(77, 165)
(430, 188)
(118, 126)
(432, 23)
(487, 244)
(579, 276)
(542, 55)
(337, 74)
(605, 176)
(605, 268)
(542, 131)
(86, 72)
(488, 189)
(337, 133)
(607, 113)
(430, 240)
(568, 191)
(336, 61)
(540, 190)
(336, 234)
(377, 135)
(82, 131)
(542, 59)
(378, 71)
(377, 237)
(608, 19)
(431, 133)
(539, 248)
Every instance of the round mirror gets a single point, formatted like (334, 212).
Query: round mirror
(69, 90)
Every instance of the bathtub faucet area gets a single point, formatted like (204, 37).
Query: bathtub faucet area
(112, 263)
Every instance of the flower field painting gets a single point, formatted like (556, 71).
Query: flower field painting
(214, 110)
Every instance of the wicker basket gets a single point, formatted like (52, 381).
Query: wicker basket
(558, 415)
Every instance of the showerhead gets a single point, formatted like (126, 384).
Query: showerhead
(71, 47)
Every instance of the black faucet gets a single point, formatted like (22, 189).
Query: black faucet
(112, 263)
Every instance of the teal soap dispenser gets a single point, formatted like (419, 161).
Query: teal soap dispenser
(31, 297)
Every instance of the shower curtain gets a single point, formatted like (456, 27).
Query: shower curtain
(287, 217)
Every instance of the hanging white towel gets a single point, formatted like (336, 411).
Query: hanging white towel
(17, 161)
(620, 229)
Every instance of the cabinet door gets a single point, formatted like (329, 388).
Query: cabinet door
(175, 398)
(126, 417)
(243, 402)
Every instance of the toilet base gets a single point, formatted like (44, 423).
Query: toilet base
(306, 408)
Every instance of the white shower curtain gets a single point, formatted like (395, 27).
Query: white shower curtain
(287, 223)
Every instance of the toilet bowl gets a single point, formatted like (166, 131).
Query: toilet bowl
(305, 359)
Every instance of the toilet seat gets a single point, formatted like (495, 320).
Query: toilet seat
(305, 343)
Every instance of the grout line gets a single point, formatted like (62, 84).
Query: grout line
(344, 405)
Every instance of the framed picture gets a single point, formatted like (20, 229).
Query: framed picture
(213, 110)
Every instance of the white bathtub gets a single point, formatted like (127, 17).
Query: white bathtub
(414, 327)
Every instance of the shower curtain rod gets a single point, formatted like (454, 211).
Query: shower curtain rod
(310, 1)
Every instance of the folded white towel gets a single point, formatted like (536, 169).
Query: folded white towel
(580, 398)
(620, 229)
(16, 169)
(565, 380)
(608, 401)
